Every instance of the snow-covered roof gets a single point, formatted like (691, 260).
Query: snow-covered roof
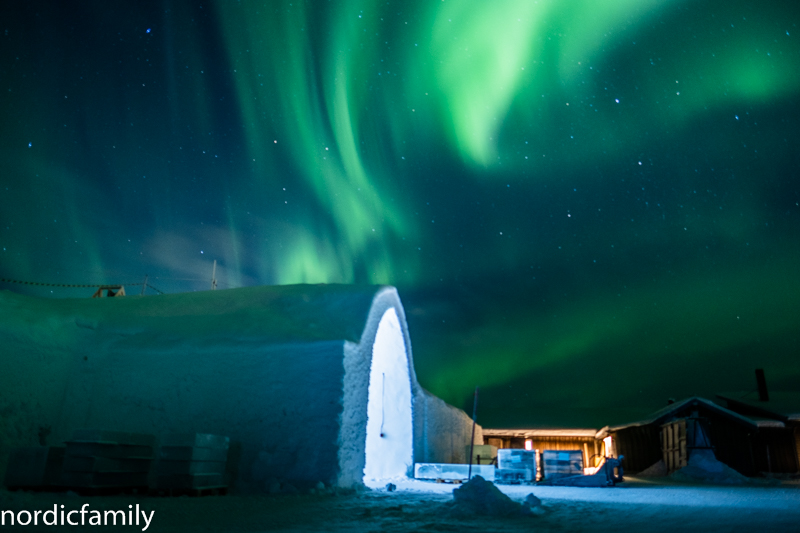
(285, 313)
(780, 406)
(770, 424)
(662, 415)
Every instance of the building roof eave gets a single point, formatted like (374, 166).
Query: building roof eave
(664, 414)
(540, 432)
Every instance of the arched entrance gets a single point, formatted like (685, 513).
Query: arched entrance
(389, 447)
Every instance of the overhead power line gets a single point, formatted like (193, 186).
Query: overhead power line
(78, 286)
(21, 282)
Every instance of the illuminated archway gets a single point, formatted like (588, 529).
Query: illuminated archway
(389, 446)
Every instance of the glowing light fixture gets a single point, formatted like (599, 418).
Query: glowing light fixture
(608, 445)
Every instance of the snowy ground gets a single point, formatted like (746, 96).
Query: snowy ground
(423, 507)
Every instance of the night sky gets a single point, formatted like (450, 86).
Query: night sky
(588, 207)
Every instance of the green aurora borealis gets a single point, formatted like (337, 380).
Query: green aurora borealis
(587, 206)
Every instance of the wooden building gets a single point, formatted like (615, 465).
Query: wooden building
(549, 439)
(777, 445)
(744, 443)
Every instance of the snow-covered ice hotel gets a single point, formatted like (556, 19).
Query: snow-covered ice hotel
(310, 382)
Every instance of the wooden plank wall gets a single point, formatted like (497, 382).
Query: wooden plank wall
(673, 444)
(797, 444)
(732, 442)
(641, 446)
(776, 451)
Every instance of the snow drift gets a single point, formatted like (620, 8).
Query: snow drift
(704, 467)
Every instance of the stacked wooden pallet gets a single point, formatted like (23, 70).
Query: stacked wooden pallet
(95, 460)
(192, 462)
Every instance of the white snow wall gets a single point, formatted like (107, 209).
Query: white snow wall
(441, 431)
(283, 371)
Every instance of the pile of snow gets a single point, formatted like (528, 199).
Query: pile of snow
(704, 467)
(481, 497)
